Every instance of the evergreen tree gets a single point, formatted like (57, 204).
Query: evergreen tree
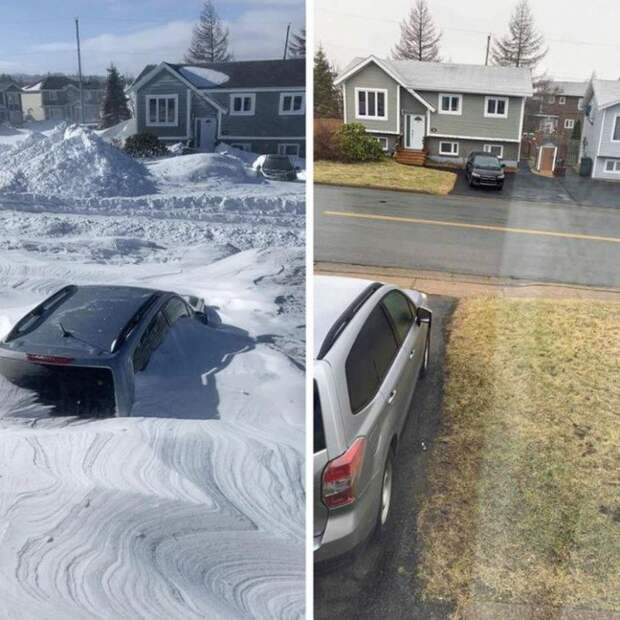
(576, 135)
(297, 44)
(326, 95)
(115, 107)
(523, 46)
(210, 39)
(419, 37)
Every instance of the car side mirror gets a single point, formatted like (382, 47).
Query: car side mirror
(203, 317)
(503, 165)
(423, 315)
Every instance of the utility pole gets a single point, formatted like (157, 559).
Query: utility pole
(79, 55)
(486, 60)
(288, 30)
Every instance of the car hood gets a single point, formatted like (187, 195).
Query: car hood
(488, 173)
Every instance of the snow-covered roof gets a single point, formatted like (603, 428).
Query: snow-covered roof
(569, 89)
(203, 77)
(33, 87)
(607, 92)
(436, 76)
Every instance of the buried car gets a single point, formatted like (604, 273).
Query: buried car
(81, 349)
(276, 168)
(372, 342)
(484, 169)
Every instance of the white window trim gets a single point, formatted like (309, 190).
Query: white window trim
(562, 100)
(551, 99)
(487, 114)
(615, 122)
(451, 153)
(569, 123)
(384, 142)
(367, 117)
(250, 112)
(616, 169)
(282, 146)
(149, 123)
(580, 103)
(487, 149)
(242, 146)
(291, 112)
(459, 112)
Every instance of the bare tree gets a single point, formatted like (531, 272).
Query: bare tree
(524, 45)
(297, 44)
(419, 37)
(210, 39)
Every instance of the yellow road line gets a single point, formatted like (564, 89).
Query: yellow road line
(504, 229)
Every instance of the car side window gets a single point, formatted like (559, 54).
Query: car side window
(399, 311)
(370, 359)
(175, 309)
(151, 339)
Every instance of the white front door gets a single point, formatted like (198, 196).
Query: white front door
(206, 132)
(414, 131)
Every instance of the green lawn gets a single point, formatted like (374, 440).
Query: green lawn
(524, 484)
(385, 174)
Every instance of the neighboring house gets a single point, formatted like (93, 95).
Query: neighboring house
(256, 105)
(10, 103)
(600, 138)
(58, 97)
(556, 109)
(443, 111)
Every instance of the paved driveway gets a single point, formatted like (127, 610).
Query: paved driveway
(380, 580)
(525, 185)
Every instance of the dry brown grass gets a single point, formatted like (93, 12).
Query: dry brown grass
(524, 489)
(385, 174)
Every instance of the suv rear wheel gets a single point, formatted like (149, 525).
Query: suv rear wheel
(385, 503)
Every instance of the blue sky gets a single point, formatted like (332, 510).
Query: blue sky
(38, 36)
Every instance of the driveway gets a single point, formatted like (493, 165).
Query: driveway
(525, 185)
(380, 580)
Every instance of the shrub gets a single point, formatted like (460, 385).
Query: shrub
(356, 145)
(326, 142)
(145, 145)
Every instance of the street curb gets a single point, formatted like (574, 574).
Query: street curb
(462, 285)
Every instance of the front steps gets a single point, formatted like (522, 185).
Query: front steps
(410, 157)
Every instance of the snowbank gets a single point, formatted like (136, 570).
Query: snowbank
(73, 162)
(120, 132)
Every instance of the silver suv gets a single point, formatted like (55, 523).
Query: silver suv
(371, 343)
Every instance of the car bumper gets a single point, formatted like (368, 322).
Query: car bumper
(482, 182)
(347, 528)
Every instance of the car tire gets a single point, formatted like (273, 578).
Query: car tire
(426, 356)
(385, 498)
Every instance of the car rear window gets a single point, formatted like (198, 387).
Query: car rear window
(278, 163)
(150, 340)
(175, 309)
(399, 310)
(319, 431)
(370, 359)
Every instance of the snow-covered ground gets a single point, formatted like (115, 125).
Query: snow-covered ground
(172, 514)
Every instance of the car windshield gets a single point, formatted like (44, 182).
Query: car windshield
(278, 163)
(486, 162)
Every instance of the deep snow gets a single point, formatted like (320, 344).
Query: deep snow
(165, 516)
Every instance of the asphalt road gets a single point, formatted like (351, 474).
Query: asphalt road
(379, 581)
(486, 236)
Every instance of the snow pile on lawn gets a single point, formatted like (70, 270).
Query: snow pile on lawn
(73, 162)
(118, 133)
(202, 167)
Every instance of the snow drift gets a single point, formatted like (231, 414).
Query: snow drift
(73, 162)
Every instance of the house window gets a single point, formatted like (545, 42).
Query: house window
(551, 99)
(449, 148)
(52, 95)
(496, 107)
(615, 132)
(580, 103)
(12, 102)
(242, 146)
(290, 149)
(494, 149)
(383, 141)
(162, 111)
(562, 100)
(371, 103)
(569, 123)
(292, 103)
(243, 104)
(450, 104)
(612, 165)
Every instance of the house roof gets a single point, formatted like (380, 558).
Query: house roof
(6, 84)
(607, 92)
(242, 74)
(451, 77)
(569, 89)
(58, 82)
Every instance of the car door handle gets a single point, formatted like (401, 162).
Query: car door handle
(391, 397)
(411, 354)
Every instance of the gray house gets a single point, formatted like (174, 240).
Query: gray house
(10, 103)
(440, 111)
(254, 105)
(600, 137)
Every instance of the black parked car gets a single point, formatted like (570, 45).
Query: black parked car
(484, 169)
(277, 168)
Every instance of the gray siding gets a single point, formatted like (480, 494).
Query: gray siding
(372, 76)
(511, 150)
(609, 148)
(599, 169)
(597, 134)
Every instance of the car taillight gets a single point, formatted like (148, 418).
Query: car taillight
(340, 476)
(48, 359)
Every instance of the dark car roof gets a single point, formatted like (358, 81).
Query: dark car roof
(94, 315)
